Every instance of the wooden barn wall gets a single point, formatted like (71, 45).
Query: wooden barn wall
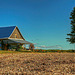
(18, 34)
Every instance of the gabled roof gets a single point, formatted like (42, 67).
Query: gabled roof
(5, 32)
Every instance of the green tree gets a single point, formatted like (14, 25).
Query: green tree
(71, 35)
(2, 45)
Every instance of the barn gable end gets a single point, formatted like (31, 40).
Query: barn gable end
(16, 34)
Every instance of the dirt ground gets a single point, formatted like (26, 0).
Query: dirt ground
(37, 64)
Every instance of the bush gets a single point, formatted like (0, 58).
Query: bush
(43, 51)
(31, 47)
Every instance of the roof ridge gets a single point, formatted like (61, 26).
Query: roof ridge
(8, 26)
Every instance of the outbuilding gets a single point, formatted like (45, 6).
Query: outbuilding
(11, 37)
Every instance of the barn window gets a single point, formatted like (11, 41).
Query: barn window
(15, 35)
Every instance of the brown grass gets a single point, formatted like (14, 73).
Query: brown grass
(37, 64)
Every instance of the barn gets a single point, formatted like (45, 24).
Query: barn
(11, 37)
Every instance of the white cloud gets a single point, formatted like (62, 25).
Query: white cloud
(37, 47)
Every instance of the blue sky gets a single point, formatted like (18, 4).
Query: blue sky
(45, 22)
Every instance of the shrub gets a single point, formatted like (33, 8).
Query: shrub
(31, 47)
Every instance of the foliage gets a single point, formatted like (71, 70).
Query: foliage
(37, 50)
(59, 51)
(2, 45)
(71, 39)
(31, 47)
(28, 51)
(19, 47)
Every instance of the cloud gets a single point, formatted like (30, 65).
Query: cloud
(37, 47)
(43, 46)
(34, 43)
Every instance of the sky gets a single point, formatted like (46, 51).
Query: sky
(45, 23)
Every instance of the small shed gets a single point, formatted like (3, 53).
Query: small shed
(11, 36)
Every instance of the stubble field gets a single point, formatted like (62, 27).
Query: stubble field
(37, 64)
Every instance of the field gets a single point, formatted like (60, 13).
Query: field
(37, 63)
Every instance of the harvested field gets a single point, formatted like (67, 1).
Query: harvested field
(37, 64)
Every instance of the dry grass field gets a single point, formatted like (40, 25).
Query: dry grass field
(37, 64)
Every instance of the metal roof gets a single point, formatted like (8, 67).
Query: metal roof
(5, 32)
(20, 41)
(10, 41)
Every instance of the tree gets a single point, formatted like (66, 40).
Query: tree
(71, 35)
(2, 45)
(31, 47)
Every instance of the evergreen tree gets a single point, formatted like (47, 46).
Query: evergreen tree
(71, 39)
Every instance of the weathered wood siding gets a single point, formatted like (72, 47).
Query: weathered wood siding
(16, 33)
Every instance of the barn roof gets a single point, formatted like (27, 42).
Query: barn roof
(20, 41)
(5, 32)
(16, 41)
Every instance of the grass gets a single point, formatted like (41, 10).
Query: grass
(22, 51)
(37, 51)
(1, 52)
